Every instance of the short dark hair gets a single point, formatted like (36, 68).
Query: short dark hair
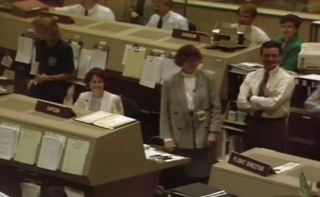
(248, 8)
(271, 44)
(185, 52)
(99, 72)
(291, 18)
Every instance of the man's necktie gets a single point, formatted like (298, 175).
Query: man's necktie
(159, 24)
(261, 91)
(86, 12)
(263, 84)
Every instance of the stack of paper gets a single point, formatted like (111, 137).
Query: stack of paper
(28, 146)
(9, 135)
(105, 119)
(151, 71)
(52, 147)
(75, 156)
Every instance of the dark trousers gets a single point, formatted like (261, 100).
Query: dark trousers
(266, 133)
(50, 91)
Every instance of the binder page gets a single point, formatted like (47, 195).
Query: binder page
(113, 121)
(92, 117)
(84, 63)
(9, 135)
(72, 192)
(151, 71)
(24, 50)
(52, 147)
(134, 62)
(28, 146)
(99, 58)
(75, 156)
(168, 68)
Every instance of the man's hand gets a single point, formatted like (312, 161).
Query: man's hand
(170, 145)
(212, 138)
(42, 78)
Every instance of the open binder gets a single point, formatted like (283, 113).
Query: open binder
(105, 119)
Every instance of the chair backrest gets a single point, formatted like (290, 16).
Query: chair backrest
(192, 27)
(130, 107)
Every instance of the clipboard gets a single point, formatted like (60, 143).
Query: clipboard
(133, 61)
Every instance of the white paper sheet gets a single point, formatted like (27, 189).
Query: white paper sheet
(313, 77)
(9, 135)
(168, 68)
(84, 63)
(52, 147)
(151, 72)
(99, 58)
(30, 190)
(34, 63)
(24, 49)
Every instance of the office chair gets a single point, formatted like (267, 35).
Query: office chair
(191, 26)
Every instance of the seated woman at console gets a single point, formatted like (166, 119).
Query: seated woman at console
(97, 98)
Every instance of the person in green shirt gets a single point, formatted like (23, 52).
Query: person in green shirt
(290, 41)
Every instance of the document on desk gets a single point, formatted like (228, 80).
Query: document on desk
(134, 61)
(52, 147)
(151, 74)
(160, 156)
(168, 68)
(9, 135)
(28, 145)
(105, 119)
(75, 156)
(24, 50)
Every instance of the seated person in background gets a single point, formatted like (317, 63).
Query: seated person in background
(140, 11)
(97, 99)
(246, 15)
(312, 104)
(55, 59)
(89, 8)
(165, 18)
(290, 41)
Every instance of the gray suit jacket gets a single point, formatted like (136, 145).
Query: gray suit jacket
(175, 118)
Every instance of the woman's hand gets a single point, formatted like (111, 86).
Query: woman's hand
(170, 145)
(212, 139)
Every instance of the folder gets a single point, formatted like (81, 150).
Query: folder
(28, 146)
(105, 119)
(198, 190)
(75, 156)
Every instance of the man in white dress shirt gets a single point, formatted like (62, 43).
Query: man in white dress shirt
(165, 18)
(265, 94)
(246, 15)
(89, 8)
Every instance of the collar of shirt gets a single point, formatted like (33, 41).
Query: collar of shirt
(91, 10)
(188, 75)
(273, 71)
(166, 16)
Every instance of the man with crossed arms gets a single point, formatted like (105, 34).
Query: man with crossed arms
(265, 94)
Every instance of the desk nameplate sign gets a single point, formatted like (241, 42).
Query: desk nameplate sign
(189, 35)
(251, 165)
(53, 109)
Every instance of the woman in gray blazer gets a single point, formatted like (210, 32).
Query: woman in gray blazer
(190, 113)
